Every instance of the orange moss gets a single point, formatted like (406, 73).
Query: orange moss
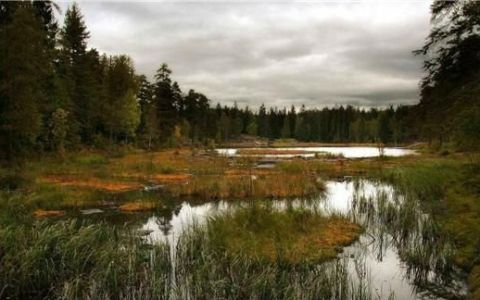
(317, 240)
(137, 206)
(238, 187)
(40, 213)
(176, 157)
(93, 183)
(157, 178)
(170, 178)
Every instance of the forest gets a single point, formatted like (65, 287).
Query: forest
(57, 94)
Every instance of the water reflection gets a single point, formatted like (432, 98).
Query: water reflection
(348, 152)
(399, 252)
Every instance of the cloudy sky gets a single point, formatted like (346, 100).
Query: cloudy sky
(316, 53)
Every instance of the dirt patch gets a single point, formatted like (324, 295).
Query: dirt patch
(137, 206)
(40, 213)
(93, 183)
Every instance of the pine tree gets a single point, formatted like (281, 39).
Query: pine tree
(286, 129)
(384, 129)
(292, 115)
(302, 128)
(145, 100)
(74, 71)
(165, 102)
(262, 122)
(21, 76)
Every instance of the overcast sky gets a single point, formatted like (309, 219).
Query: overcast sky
(281, 53)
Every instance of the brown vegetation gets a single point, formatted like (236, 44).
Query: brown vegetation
(137, 206)
(40, 213)
(237, 187)
(293, 236)
(92, 183)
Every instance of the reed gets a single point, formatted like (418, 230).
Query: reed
(205, 270)
(239, 187)
(72, 260)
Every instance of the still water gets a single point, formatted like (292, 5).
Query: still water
(397, 254)
(348, 152)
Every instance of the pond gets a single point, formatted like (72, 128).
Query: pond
(397, 254)
(347, 152)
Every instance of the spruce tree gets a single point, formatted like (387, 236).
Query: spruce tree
(21, 77)
(165, 102)
(75, 72)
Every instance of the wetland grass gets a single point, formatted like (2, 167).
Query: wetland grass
(76, 259)
(244, 186)
(447, 188)
(293, 235)
(257, 252)
(71, 260)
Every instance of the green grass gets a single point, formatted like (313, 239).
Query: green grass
(77, 260)
(241, 187)
(72, 260)
(448, 187)
(292, 235)
(449, 190)
(206, 270)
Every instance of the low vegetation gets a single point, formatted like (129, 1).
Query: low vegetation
(71, 259)
(292, 235)
(449, 189)
(249, 186)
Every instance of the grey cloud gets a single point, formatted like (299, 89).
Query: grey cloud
(279, 53)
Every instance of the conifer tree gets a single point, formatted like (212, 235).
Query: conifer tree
(165, 102)
(75, 72)
(21, 78)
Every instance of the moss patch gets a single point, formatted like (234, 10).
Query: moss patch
(137, 206)
(40, 213)
(293, 236)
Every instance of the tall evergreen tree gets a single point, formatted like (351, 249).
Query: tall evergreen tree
(165, 102)
(21, 75)
(262, 122)
(75, 72)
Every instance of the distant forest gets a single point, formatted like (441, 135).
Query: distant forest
(56, 93)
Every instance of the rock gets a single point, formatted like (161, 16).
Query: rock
(91, 211)
(153, 187)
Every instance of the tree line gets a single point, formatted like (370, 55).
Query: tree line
(56, 93)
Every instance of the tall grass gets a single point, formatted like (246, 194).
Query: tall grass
(74, 260)
(78, 260)
(263, 186)
(417, 237)
(205, 271)
(426, 181)
(294, 235)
